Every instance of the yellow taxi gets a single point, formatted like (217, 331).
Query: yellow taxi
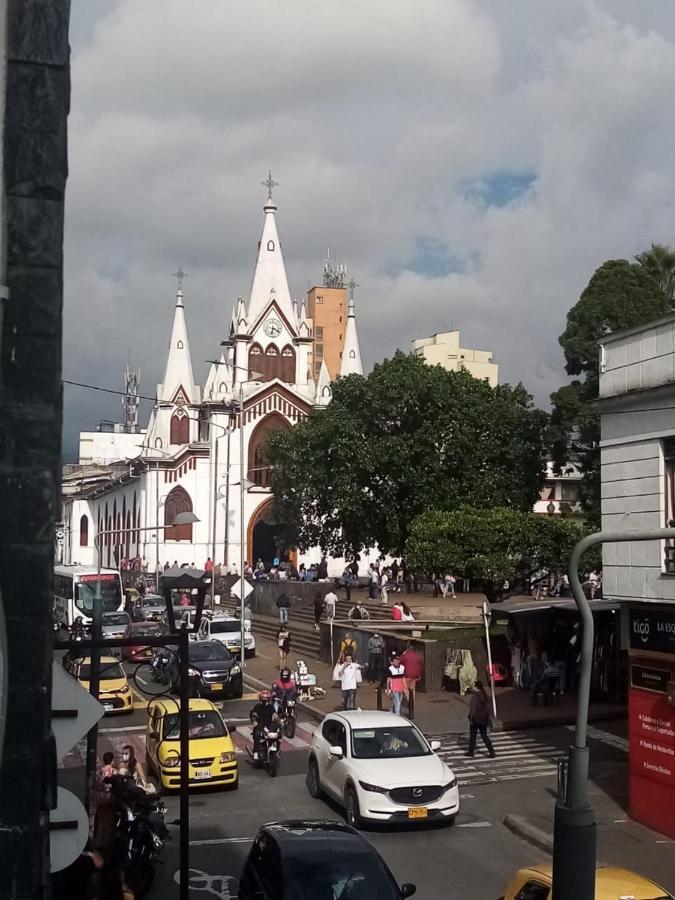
(212, 757)
(114, 693)
(536, 883)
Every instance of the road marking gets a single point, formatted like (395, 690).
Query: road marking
(232, 840)
(612, 740)
(466, 797)
(253, 695)
(122, 728)
(475, 825)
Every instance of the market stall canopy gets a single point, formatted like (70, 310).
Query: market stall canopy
(524, 604)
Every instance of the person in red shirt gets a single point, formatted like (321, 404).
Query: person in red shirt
(413, 667)
(397, 611)
(208, 565)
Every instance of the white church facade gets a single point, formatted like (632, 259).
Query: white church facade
(201, 441)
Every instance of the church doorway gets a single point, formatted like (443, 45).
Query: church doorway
(262, 543)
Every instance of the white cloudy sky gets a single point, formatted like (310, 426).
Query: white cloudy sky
(472, 163)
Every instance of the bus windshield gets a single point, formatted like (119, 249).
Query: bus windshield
(110, 592)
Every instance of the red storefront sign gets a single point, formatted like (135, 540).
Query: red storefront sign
(652, 760)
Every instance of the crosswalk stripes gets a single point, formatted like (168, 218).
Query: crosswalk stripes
(518, 756)
(302, 739)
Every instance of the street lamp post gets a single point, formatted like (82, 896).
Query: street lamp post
(95, 657)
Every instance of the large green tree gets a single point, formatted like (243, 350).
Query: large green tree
(620, 294)
(659, 261)
(406, 438)
(490, 545)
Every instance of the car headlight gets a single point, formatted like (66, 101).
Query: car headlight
(451, 784)
(171, 761)
(193, 673)
(372, 787)
(235, 670)
(226, 757)
(125, 689)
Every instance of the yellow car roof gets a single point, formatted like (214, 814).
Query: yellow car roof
(611, 883)
(197, 704)
(86, 660)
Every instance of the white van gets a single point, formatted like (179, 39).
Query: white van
(226, 629)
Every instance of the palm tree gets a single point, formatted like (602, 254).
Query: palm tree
(660, 263)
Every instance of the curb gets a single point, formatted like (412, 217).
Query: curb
(523, 828)
(257, 684)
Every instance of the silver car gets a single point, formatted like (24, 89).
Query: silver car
(115, 624)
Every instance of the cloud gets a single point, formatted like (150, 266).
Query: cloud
(471, 162)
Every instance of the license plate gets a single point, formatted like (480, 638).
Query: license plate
(107, 707)
(216, 687)
(418, 812)
(202, 773)
(234, 649)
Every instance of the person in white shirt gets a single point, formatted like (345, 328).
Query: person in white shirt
(350, 678)
(384, 584)
(330, 602)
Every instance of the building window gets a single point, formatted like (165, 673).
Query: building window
(84, 531)
(270, 245)
(255, 361)
(319, 298)
(178, 501)
(319, 350)
(669, 486)
(569, 493)
(179, 345)
(318, 332)
(180, 428)
(271, 368)
(288, 365)
(158, 443)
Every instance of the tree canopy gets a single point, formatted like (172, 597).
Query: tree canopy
(490, 545)
(406, 438)
(620, 294)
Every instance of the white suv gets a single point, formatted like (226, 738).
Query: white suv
(380, 768)
(226, 629)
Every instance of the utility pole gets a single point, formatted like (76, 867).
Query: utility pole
(34, 175)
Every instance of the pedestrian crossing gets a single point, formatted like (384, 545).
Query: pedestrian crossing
(519, 755)
(302, 739)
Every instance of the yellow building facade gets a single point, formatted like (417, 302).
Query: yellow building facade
(443, 349)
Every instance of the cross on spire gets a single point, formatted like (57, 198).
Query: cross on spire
(270, 184)
(179, 276)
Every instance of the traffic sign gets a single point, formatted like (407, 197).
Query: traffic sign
(68, 830)
(237, 588)
(74, 710)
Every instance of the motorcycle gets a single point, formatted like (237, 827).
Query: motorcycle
(289, 718)
(140, 833)
(160, 667)
(269, 751)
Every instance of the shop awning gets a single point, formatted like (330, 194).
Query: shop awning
(516, 605)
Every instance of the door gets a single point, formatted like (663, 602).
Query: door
(334, 773)
(152, 743)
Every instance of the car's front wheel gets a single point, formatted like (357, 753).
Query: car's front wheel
(313, 780)
(352, 812)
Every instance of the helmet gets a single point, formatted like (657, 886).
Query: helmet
(285, 674)
(265, 696)
(78, 620)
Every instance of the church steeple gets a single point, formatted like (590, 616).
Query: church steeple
(351, 354)
(179, 383)
(270, 283)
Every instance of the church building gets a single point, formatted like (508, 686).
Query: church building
(201, 442)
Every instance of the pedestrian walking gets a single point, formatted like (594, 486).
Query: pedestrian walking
(348, 581)
(479, 720)
(384, 586)
(350, 677)
(318, 609)
(373, 583)
(283, 605)
(413, 666)
(347, 647)
(322, 570)
(375, 667)
(330, 602)
(284, 644)
(396, 687)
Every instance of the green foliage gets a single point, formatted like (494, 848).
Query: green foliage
(490, 545)
(404, 439)
(659, 261)
(620, 294)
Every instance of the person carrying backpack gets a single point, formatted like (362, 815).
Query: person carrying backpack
(479, 720)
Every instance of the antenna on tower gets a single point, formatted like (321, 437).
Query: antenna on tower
(131, 399)
(334, 275)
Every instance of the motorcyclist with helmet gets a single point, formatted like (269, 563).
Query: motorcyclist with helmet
(283, 689)
(262, 716)
(77, 632)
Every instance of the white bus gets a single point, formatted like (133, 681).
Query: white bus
(75, 588)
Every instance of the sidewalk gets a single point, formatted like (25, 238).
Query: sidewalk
(621, 841)
(436, 712)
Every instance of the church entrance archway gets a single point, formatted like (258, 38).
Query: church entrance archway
(261, 539)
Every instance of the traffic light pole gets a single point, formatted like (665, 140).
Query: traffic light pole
(574, 829)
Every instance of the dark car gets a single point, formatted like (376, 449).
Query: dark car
(214, 672)
(138, 631)
(298, 860)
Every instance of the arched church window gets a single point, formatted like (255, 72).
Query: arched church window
(352, 354)
(258, 463)
(271, 368)
(270, 245)
(255, 362)
(288, 365)
(84, 531)
(222, 388)
(178, 501)
(158, 442)
(179, 345)
(180, 427)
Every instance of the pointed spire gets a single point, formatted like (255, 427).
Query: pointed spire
(323, 392)
(178, 376)
(270, 282)
(240, 321)
(303, 322)
(351, 354)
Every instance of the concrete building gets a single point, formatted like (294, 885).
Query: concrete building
(560, 493)
(109, 444)
(443, 349)
(197, 438)
(637, 411)
(327, 312)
